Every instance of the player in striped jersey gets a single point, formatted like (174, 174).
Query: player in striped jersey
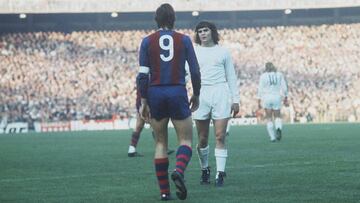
(162, 57)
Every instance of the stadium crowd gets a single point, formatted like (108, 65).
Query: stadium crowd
(53, 76)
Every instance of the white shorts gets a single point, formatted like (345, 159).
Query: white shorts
(271, 102)
(215, 102)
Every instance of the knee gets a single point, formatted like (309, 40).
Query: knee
(203, 140)
(220, 137)
(220, 132)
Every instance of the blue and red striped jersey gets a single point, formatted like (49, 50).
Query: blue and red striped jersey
(163, 55)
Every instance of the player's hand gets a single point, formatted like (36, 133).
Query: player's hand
(286, 102)
(235, 109)
(194, 103)
(144, 111)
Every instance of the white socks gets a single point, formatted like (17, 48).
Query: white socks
(220, 155)
(278, 123)
(132, 149)
(203, 154)
(270, 129)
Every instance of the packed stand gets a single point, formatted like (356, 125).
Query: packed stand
(52, 76)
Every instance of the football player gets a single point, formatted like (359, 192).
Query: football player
(272, 90)
(162, 57)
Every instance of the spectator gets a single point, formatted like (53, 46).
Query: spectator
(44, 72)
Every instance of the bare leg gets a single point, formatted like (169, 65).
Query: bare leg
(136, 136)
(139, 124)
(184, 131)
(202, 148)
(202, 127)
(220, 131)
(161, 138)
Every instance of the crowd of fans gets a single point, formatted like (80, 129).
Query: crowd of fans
(52, 76)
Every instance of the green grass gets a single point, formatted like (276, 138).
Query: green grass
(313, 163)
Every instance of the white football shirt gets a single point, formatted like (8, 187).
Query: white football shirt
(272, 83)
(216, 66)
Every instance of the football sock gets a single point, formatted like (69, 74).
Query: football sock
(203, 154)
(270, 129)
(161, 169)
(278, 123)
(183, 156)
(135, 138)
(220, 155)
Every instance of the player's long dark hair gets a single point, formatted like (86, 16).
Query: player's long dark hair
(165, 16)
(211, 26)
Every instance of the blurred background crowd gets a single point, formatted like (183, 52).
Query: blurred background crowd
(54, 76)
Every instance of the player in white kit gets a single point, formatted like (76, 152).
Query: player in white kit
(271, 91)
(219, 97)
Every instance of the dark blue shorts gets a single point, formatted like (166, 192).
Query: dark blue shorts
(168, 102)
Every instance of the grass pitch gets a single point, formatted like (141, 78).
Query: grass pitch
(313, 163)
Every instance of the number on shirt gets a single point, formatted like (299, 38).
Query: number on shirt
(273, 79)
(169, 47)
